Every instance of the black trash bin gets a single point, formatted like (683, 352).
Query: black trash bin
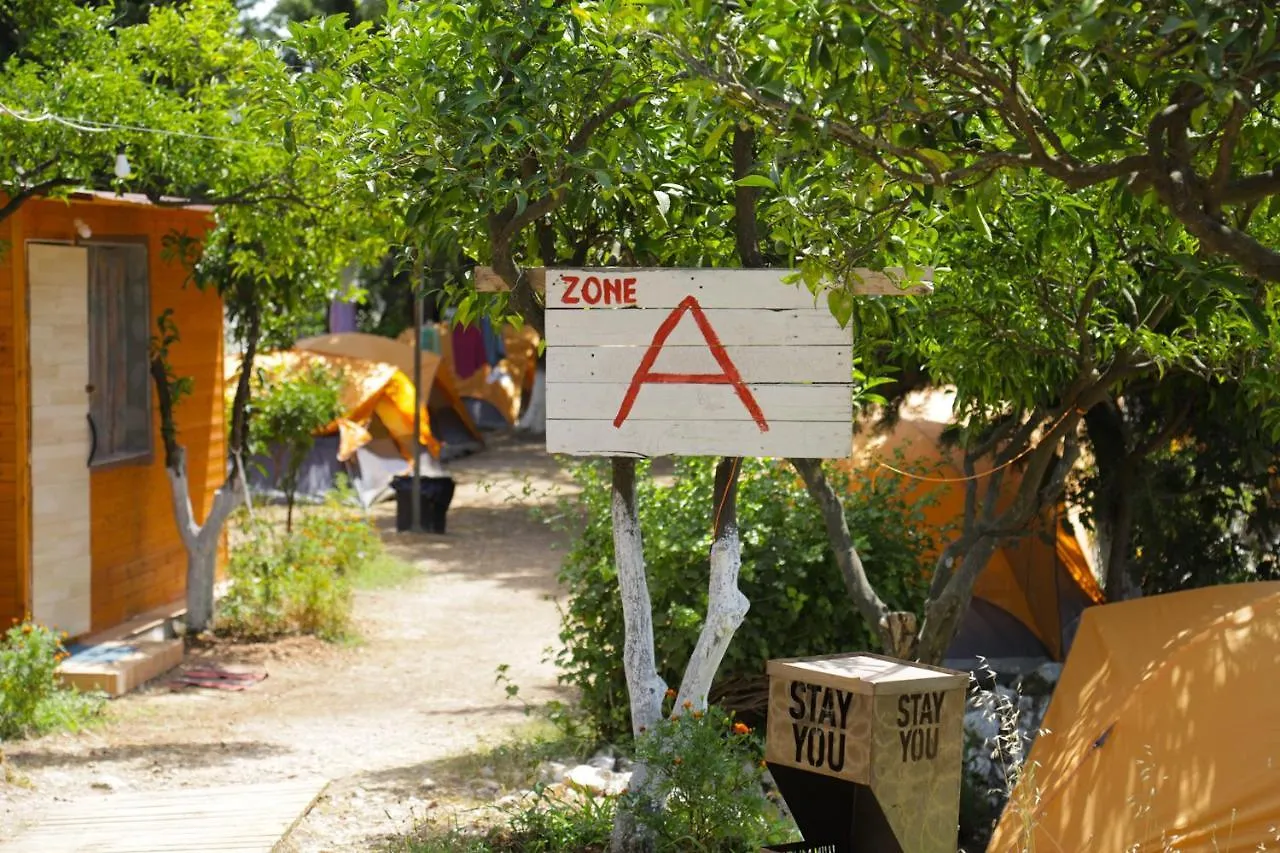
(437, 494)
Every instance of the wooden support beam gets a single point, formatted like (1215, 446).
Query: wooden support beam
(871, 282)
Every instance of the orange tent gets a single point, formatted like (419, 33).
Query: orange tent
(502, 386)
(1036, 585)
(1162, 732)
(437, 383)
(369, 390)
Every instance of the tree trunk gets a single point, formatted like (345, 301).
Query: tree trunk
(895, 629)
(645, 688)
(944, 611)
(1115, 533)
(726, 605)
(200, 541)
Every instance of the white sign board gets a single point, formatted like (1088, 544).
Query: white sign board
(694, 362)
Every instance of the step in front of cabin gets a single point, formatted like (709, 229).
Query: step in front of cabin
(127, 656)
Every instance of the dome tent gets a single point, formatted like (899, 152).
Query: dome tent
(1161, 733)
(1028, 600)
(372, 442)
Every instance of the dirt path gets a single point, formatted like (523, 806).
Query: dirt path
(376, 718)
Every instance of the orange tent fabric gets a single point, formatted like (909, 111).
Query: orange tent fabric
(399, 353)
(1162, 732)
(1022, 577)
(503, 386)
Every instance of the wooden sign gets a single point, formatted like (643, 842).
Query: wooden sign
(652, 362)
(894, 727)
(893, 281)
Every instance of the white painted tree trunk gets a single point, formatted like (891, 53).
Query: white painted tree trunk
(726, 605)
(726, 608)
(645, 687)
(534, 418)
(200, 541)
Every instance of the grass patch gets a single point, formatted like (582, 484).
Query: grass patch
(542, 823)
(68, 710)
(384, 571)
(514, 764)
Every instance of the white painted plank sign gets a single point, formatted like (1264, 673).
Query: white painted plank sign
(680, 362)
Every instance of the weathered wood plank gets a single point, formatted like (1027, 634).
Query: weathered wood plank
(733, 327)
(241, 819)
(829, 440)
(667, 403)
(762, 364)
(893, 281)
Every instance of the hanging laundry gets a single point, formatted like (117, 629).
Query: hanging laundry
(468, 350)
(342, 317)
(495, 348)
(430, 339)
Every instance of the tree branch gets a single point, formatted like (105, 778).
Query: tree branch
(15, 201)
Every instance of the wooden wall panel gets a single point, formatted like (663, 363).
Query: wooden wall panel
(138, 559)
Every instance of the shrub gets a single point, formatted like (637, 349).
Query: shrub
(31, 700)
(798, 601)
(546, 822)
(709, 774)
(298, 582)
(287, 412)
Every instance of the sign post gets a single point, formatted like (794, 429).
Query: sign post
(867, 752)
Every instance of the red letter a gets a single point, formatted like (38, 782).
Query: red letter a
(728, 376)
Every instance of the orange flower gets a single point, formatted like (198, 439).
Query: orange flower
(741, 729)
(688, 704)
(697, 715)
(677, 761)
(671, 693)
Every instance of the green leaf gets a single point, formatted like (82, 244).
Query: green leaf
(840, 303)
(756, 181)
(876, 52)
(1033, 49)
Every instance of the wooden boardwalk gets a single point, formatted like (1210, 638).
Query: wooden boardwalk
(237, 819)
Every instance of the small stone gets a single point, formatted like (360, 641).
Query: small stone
(590, 778)
(427, 784)
(106, 783)
(602, 762)
(619, 783)
(485, 787)
(551, 772)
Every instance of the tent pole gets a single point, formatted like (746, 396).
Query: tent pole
(415, 497)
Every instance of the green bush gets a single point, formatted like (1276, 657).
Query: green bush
(709, 774)
(299, 581)
(31, 700)
(798, 601)
(287, 413)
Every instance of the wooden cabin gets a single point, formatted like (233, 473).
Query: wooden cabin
(87, 532)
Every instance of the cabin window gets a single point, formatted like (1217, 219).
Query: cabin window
(119, 345)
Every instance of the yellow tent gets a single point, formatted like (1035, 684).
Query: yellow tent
(1162, 732)
(370, 390)
(440, 390)
(1038, 583)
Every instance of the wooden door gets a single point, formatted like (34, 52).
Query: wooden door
(58, 281)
